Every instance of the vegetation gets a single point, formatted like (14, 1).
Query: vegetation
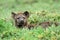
(40, 11)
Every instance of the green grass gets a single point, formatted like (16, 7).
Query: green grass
(36, 7)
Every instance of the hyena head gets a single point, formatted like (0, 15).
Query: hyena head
(20, 18)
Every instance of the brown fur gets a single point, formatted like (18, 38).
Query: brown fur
(45, 24)
(20, 18)
(48, 23)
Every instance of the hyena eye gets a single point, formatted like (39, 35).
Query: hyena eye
(17, 18)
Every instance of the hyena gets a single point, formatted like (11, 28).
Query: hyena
(20, 18)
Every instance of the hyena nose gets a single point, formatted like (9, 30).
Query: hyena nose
(22, 22)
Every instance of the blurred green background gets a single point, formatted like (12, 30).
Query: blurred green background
(7, 6)
(37, 9)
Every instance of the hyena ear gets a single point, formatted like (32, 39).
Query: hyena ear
(26, 13)
(13, 14)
